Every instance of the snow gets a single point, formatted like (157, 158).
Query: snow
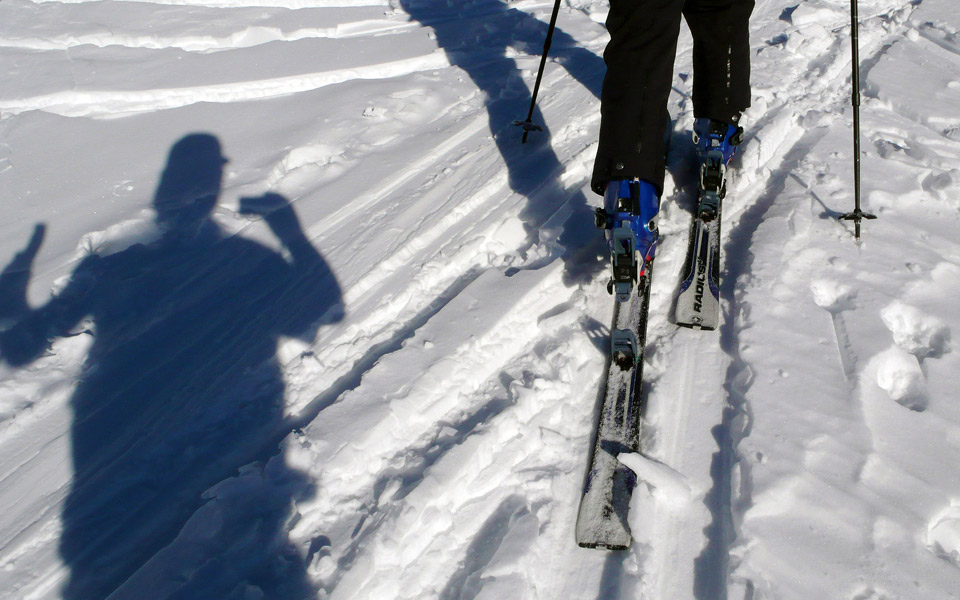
(667, 484)
(390, 391)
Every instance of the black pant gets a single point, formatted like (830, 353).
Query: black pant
(639, 58)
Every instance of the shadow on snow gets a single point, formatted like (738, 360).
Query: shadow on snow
(181, 388)
(476, 35)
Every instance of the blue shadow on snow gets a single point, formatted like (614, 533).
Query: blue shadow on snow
(476, 35)
(181, 388)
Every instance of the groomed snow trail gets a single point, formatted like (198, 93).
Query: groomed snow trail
(431, 430)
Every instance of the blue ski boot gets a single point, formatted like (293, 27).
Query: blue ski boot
(716, 144)
(629, 221)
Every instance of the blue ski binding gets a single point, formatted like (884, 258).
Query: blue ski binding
(716, 143)
(629, 221)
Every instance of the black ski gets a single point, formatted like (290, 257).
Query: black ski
(698, 304)
(602, 520)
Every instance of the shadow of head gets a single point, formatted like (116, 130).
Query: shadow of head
(190, 184)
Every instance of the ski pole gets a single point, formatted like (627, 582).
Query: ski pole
(857, 215)
(529, 125)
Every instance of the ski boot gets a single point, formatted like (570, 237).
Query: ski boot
(716, 144)
(629, 221)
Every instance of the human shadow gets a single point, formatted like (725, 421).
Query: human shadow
(181, 387)
(477, 36)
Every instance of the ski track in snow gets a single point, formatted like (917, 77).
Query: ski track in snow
(113, 104)
(437, 273)
(446, 439)
(250, 36)
(773, 149)
(860, 450)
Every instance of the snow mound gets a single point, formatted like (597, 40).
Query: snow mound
(943, 537)
(899, 374)
(833, 296)
(916, 332)
(669, 486)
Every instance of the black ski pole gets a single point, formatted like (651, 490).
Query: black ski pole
(529, 125)
(857, 215)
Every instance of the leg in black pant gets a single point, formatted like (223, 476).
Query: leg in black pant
(633, 103)
(640, 57)
(721, 57)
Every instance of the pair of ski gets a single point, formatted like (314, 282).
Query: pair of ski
(602, 520)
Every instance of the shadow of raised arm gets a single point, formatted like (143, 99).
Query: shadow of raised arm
(315, 297)
(28, 331)
(280, 216)
(16, 276)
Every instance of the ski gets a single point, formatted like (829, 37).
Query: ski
(698, 303)
(629, 220)
(602, 519)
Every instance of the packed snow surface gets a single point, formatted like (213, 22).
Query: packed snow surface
(365, 365)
